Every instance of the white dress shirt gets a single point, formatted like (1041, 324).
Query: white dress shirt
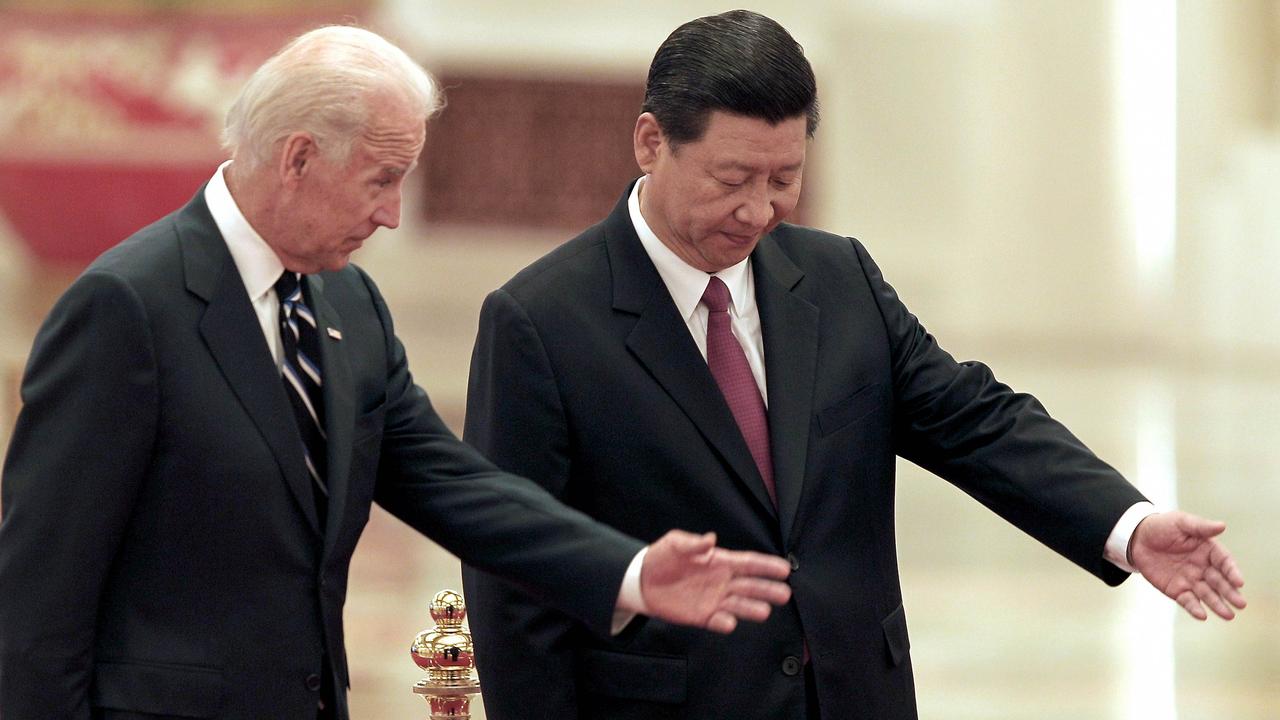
(687, 284)
(258, 264)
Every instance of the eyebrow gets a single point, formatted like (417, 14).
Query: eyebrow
(398, 171)
(751, 168)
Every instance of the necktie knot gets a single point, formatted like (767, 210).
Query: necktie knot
(287, 286)
(716, 296)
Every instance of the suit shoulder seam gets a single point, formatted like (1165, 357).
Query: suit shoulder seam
(547, 264)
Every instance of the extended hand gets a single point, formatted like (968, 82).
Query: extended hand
(1176, 552)
(686, 579)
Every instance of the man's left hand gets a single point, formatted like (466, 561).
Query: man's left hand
(1177, 553)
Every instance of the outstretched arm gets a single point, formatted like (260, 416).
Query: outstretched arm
(1177, 553)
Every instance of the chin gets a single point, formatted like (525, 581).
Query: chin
(736, 253)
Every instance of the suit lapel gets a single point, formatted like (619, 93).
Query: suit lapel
(230, 330)
(789, 324)
(660, 341)
(339, 406)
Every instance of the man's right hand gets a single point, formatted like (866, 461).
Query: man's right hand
(1179, 554)
(687, 580)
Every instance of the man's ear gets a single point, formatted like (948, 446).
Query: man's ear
(297, 155)
(647, 141)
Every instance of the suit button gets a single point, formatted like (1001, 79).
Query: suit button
(313, 681)
(795, 561)
(791, 666)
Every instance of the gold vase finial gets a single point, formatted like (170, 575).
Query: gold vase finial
(447, 654)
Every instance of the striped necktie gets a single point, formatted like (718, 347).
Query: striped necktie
(303, 381)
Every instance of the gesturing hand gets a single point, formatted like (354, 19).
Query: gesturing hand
(686, 579)
(1176, 552)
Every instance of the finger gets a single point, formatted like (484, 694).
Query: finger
(1211, 598)
(687, 543)
(746, 608)
(722, 622)
(684, 543)
(1217, 581)
(769, 591)
(1226, 564)
(1188, 601)
(747, 562)
(1224, 587)
(1200, 527)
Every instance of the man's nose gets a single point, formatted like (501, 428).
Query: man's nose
(388, 214)
(756, 211)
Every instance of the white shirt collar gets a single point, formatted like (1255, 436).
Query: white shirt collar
(258, 264)
(685, 282)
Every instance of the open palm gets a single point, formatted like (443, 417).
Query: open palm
(1177, 553)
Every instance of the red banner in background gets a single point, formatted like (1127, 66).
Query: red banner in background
(109, 120)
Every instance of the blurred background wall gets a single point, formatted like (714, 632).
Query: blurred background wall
(1078, 192)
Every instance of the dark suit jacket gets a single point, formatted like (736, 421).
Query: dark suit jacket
(586, 379)
(160, 552)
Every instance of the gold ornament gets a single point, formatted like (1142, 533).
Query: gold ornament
(448, 655)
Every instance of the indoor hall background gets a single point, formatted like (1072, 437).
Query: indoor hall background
(1080, 194)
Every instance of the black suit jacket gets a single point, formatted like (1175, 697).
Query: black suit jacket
(160, 553)
(586, 379)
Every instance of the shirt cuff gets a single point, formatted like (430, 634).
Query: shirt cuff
(1117, 548)
(630, 599)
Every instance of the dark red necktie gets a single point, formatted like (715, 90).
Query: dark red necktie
(729, 366)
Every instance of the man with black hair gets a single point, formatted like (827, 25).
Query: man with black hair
(694, 361)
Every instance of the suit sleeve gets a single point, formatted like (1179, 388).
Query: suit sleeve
(515, 417)
(1001, 447)
(78, 456)
(490, 519)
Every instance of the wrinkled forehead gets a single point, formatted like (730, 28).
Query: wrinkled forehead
(393, 136)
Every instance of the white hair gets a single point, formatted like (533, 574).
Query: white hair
(322, 83)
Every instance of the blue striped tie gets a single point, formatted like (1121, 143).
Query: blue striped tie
(303, 381)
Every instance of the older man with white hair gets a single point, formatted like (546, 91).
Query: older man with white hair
(211, 408)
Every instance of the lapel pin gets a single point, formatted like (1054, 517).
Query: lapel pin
(334, 333)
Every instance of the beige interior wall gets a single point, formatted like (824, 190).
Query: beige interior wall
(969, 148)
(1229, 154)
(972, 146)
